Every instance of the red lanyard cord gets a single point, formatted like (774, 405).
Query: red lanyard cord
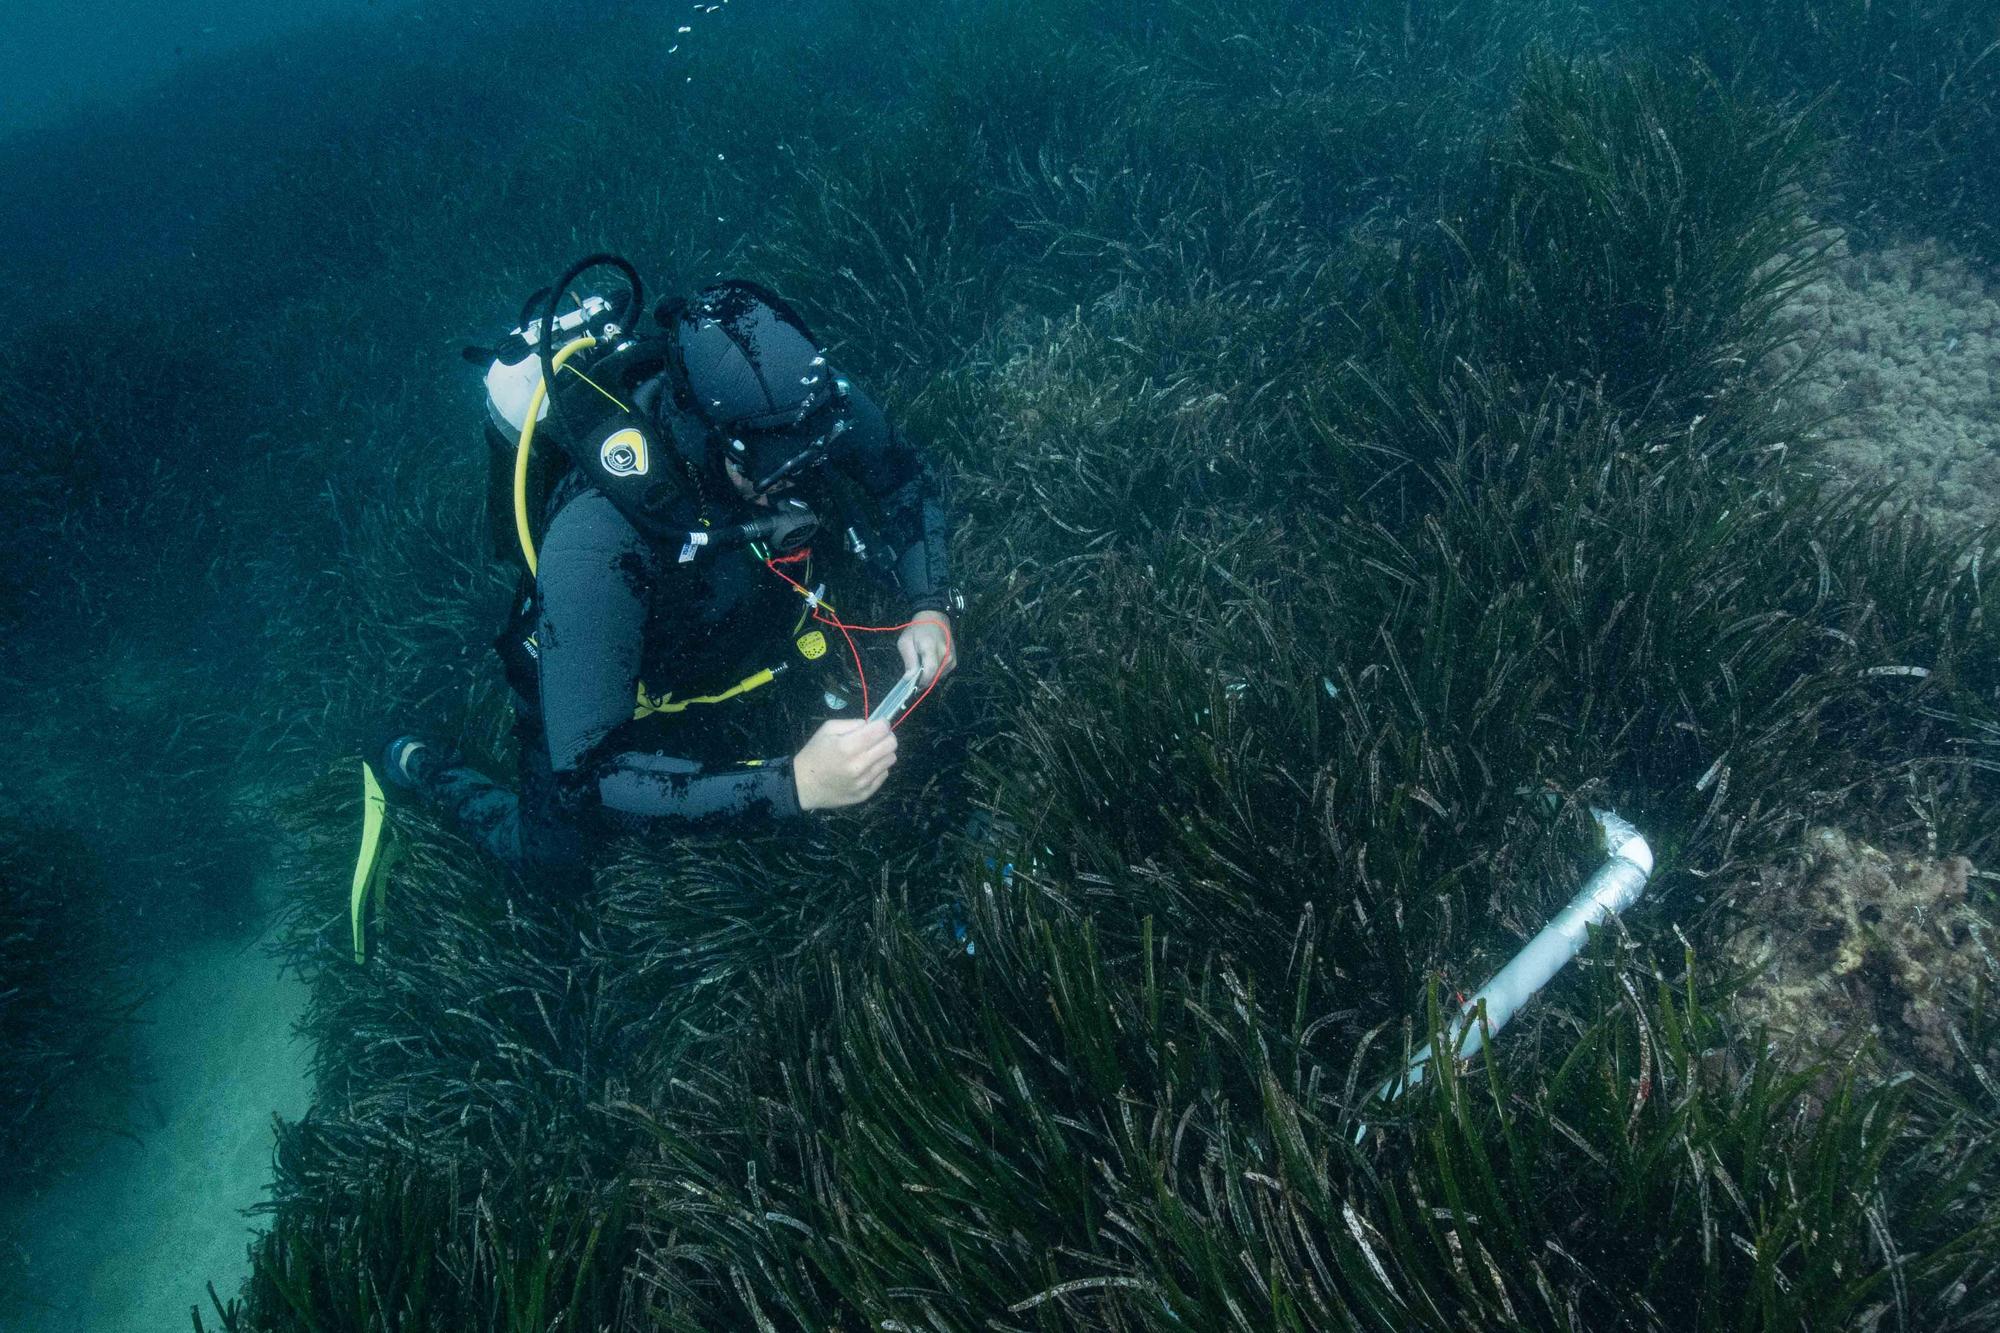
(815, 603)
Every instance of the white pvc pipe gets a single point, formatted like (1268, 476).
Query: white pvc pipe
(1615, 886)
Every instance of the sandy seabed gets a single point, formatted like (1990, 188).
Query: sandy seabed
(129, 1240)
(1909, 376)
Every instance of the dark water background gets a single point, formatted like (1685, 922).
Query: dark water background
(64, 56)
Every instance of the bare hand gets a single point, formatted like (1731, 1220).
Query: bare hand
(843, 764)
(927, 643)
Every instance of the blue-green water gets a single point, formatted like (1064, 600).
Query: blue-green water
(1369, 446)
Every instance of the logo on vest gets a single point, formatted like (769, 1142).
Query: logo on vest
(623, 453)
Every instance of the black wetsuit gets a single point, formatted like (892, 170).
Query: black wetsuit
(614, 610)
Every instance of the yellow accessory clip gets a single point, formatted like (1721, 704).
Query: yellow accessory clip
(666, 703)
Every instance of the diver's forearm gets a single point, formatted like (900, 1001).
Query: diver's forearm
(640, 790)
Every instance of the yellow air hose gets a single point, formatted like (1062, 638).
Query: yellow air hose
(535, 401)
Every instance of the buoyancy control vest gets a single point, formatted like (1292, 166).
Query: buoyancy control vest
(577, 389)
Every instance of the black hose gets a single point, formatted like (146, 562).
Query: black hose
(635, 292)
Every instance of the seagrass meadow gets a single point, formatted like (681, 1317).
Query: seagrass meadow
(1375, 438)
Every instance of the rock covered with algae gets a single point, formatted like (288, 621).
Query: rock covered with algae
(1854, 940)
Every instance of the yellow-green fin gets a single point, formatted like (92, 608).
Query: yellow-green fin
(371, 867)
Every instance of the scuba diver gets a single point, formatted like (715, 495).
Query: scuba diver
(669, 587)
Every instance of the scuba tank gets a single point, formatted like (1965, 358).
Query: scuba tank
(513, 376)
(515, 367)
(569, 377)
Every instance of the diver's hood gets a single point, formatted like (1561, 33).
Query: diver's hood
(753, 372)
(751, 365)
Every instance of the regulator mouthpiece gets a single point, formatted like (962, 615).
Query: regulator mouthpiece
(785, 531)
(789, 527)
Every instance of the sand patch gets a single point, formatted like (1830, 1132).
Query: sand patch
(1910, 372)
(129, 1238)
